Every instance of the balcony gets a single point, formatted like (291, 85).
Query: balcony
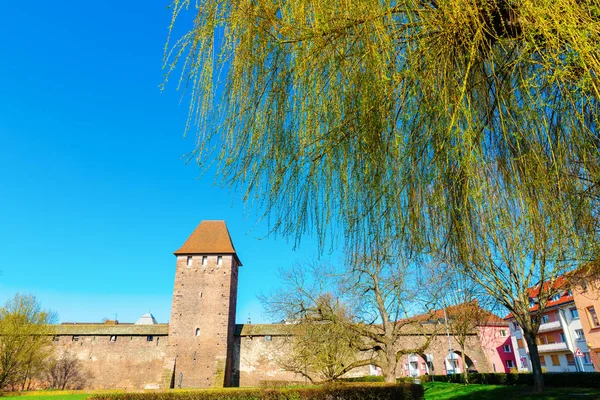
(550, 326)
(546, 348)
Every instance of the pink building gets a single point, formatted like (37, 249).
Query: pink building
(492, 333)
(496, 342)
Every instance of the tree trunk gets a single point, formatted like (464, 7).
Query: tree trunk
(464, 365)
(389, 369)
(534, 356)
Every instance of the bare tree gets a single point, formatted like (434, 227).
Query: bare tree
(322, 348)
(25, 334)
(377, 290)
(463, 305)
(66, 372)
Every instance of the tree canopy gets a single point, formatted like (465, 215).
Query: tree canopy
(370, 118)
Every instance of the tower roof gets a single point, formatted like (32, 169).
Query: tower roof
(209, 237)
(146, 319)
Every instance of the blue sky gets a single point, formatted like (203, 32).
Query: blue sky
(95, 194)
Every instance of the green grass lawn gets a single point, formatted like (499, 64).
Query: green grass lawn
(447, 391)
(433, 391)
(49, 396)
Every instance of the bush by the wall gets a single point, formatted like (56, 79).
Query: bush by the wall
(329, 392)
(375, 378)
(551, 379)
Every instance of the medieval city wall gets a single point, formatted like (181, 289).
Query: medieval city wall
(126, 362)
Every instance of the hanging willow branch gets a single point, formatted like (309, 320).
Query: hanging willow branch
(341, 116)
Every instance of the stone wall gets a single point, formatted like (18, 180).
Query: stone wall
(126, 362)
(202, 321)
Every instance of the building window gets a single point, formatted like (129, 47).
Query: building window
(570, 359)
(423, 367)
(586, 358)
(545, 319)
(507, 348)
(197, 331)
(542, 361)
(520, 343)
(562, 337)
(113, 338)
(555, 360)
(204, 260)
(75, 338)
(531, 303)
(574, 313)
(542, 339)
(556, 297)
(55, 338)
(268, 338)
(593, 317)
(579, 334)
(509, 364)
(189, 261)
(149, 338)
(503, 332)
(219, 260)
(569, 293)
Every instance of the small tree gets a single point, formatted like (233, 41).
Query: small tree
(459, 299)
(323, 349)
(25, 334)
(66, 372)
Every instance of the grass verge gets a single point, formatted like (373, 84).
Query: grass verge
(456, 391)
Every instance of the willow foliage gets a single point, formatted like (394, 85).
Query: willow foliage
(376, 118)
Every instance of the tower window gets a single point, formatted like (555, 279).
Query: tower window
(189, 261)
(204, 260)
(113, 338)
(197, 331)
(75, 338)
(219, 260)
(149, 338)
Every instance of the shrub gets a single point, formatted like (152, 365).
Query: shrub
(338, 392)
(551, 379)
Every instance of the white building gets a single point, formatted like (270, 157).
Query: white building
(560, 337)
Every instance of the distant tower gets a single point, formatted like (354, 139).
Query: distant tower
(203, 310)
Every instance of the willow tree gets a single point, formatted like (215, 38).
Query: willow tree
(519, 246)
(336, 115)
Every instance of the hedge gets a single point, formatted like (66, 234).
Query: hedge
(330, 392)
(377, 378)
(551, 379)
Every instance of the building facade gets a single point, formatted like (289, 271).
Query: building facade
(203, 347)
(561, 339)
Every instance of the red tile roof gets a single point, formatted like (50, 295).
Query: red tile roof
(209, 237)
(486, 317)
(560, 286)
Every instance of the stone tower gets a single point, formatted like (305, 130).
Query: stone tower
(203, 310)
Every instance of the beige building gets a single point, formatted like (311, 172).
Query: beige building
(586, 295)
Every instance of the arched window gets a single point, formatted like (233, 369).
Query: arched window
(197, 331)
